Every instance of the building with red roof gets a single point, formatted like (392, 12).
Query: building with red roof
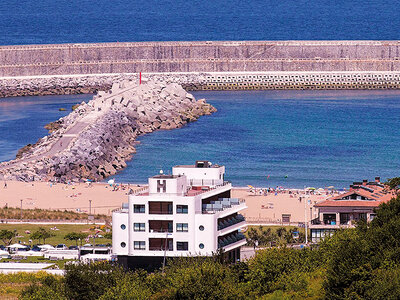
(344, 210)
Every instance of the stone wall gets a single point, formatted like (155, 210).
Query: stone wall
(217, 56)
(87, 68)
(56, 85)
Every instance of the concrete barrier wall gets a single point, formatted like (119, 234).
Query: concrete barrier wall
(230, 56)
(78, 84)
(86, 68)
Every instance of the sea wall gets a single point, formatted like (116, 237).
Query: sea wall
(76, 84)
(83, 68)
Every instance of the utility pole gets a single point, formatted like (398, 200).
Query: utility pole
(21, 208)
(165, 252)
(305, 216)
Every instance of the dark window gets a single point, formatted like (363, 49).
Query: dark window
(123, 245)
(138, 227)
(181, 209)
(182, 246)
(139, 208)
(201, 246)
(139, 245)
(201, 227)
(123, 226)
(182, 227)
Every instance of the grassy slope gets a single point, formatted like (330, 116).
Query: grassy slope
(59, 234)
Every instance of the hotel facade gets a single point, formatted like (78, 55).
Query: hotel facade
(188, 213)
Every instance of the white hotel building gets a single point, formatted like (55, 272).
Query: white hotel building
(188, 213)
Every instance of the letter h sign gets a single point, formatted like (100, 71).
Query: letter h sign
(162, 186)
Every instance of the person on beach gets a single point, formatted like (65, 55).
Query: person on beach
(5, 184)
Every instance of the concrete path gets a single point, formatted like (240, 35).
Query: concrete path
(62, 144)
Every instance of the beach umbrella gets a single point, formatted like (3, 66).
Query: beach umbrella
(321, 190)
(330, 187)
(111, 181)
(311, 188)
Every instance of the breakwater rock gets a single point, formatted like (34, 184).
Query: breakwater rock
(95, 140)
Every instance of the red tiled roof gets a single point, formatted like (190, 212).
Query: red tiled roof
(348, 203)
(376, 196)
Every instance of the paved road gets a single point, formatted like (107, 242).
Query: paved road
(59, 146)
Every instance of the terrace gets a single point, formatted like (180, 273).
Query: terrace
(222, 224)
(221, 204)
(230, 239)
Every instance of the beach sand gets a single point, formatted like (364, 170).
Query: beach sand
(270, 208)
(62, 196)
(262, 209)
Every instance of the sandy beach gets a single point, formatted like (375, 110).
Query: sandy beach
(261, 208)
(264, 209)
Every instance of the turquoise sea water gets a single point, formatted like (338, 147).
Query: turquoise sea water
(316, 138)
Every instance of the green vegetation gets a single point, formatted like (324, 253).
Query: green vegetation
(269, 236)
(360, 263)
(6, 236)
(13, 213)
(78, 236)
(23, 233)
(41, 235)
(393, 183)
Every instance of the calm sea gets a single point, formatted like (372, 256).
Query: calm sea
(264, 138)
(79, 21)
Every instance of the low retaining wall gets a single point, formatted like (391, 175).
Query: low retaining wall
(83, 84)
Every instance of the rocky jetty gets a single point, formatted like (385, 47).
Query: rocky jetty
(97, 138)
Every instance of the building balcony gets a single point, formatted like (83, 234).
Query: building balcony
(221, 205)
(231, 239)
(160, 244)
(230, 222)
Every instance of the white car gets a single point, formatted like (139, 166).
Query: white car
(61, 247)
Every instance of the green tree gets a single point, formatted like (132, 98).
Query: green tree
(90, 281)
(6, 236)
(75, 236)
(41, 234)
(393, 183)
(108, 235)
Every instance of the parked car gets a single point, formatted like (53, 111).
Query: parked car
(73, 248)
(36, 248)
(61, 247)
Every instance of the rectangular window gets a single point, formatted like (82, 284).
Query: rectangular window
(182, 246)
(182, 227)
(139, 208)
(139, 245)
(138, 227)
(181, 209)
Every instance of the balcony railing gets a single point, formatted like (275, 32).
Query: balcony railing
(160, 212)
(221, 204)
(160, 230)
(231, 239)
(210, 188)
(230, 222)
(161, 249)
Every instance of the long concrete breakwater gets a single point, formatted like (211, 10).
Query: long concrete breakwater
(83, 68)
